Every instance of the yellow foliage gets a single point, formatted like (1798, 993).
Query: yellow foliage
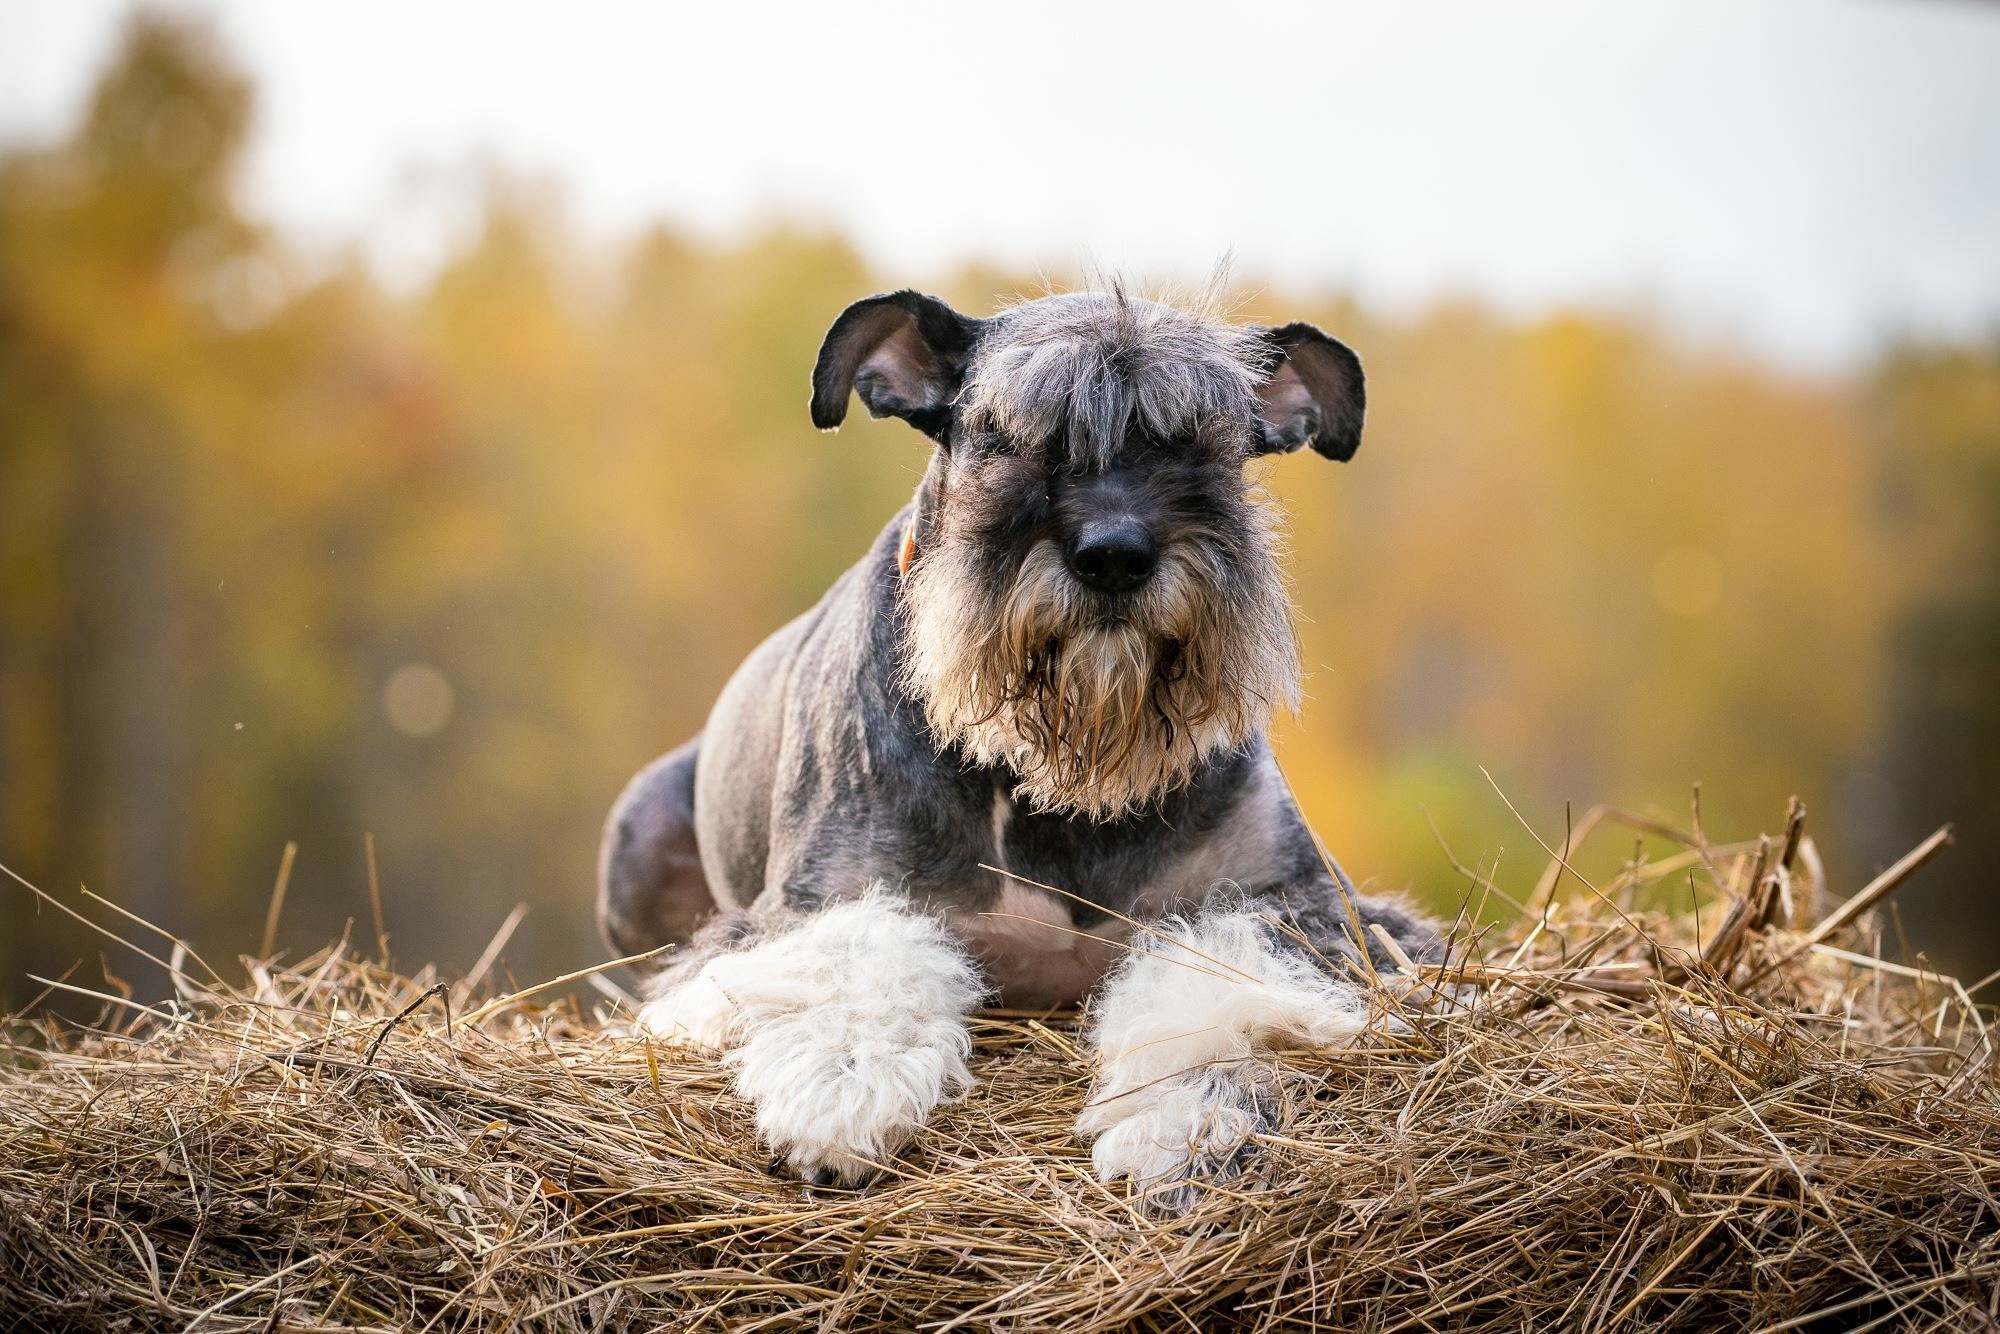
(289, 557)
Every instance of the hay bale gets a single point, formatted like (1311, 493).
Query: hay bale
(1628, 1128)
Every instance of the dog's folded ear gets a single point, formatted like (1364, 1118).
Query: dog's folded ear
(903, 352)
(1312, 394)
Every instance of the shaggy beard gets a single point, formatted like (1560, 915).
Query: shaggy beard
(1098, 713)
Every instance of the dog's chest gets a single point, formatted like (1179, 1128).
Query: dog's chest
(1030, 941)
(1032, 950)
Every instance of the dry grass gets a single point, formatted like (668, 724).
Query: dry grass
(1627, 1130)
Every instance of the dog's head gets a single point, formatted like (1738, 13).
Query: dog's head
(1092, 594)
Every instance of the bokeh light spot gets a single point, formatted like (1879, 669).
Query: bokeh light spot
(246, 292)
(417, 700)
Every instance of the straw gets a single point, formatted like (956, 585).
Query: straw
(1588, 1143)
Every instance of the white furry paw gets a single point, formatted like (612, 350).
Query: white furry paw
(845, 1032)
(839, 1092)
(1181, 1135)
(1182, 1030)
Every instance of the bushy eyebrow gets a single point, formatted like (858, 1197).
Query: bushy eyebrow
(1093, 371)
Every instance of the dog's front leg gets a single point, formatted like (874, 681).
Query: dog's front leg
(845, 1027)
(1182, 1032)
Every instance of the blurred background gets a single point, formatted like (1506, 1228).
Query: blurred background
(402, 415)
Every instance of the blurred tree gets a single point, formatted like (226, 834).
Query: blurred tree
(285, 556)
(98, 241)
(1935, 412)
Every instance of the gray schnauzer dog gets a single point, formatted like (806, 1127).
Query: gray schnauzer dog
(1019, 752)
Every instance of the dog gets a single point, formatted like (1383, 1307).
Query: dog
(1019, 753)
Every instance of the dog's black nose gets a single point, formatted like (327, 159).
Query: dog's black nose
(1113, 557)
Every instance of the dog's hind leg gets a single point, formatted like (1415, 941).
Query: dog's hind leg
(650, 886)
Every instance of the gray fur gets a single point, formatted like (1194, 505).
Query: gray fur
(830, 761)
(653, 888)
(1093, 367)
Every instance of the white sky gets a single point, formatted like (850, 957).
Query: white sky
(1804, 177)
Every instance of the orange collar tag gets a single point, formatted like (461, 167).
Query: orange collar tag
(909, 549)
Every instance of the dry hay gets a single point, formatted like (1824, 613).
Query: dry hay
(1624, 1131)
